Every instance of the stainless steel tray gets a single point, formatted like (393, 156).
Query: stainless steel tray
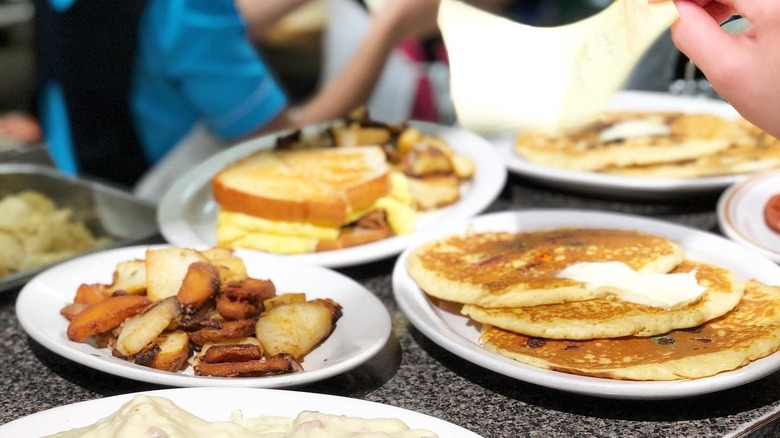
(106, 211)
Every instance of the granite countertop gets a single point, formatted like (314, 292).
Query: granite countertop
(414, 373)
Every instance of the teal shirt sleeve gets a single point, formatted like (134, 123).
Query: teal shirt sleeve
(196, 63)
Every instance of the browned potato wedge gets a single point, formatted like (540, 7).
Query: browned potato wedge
(91, 293)
(166, 268)
(217, 252)
(426, 159)
(141, 329)
(130, 276)
(296, 328)
(104, 316)
(200, 284)
(174, 351)
(288, 298)
(230, 269)
(232, 353)
(236, 309)
(228, 330)
(71, 310)
(464, 167)
(281, 364)
(252, 289)
(434, 191)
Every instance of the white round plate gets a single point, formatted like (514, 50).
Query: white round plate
(626, 186)
(741, 213)
(217, 404)
(361, 332)
(187, 212)
(454, 332)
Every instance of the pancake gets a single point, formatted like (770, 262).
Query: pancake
(611, 317)
(749, 332)
(756, 152)
(629, 139)
(502, 269)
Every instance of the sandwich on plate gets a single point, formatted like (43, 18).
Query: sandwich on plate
(314, 199)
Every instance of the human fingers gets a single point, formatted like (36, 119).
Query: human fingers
(699, 36)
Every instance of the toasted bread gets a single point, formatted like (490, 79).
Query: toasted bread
(318, 186)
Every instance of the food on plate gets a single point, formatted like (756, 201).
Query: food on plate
(601, 302)
(34, 232)
(185, 306)
(521, 269)
(749, 332)
(607, 317)
(153, 416)
(655, 144)
(772, 213)
(353, 183)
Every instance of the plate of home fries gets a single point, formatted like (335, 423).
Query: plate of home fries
(336, 194)
(647, 145)
(183, 316)
(596, 303)
(237, 412)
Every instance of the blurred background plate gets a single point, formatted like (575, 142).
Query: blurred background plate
(626, 187)
(741, 213)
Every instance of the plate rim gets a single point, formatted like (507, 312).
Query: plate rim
(731, 198)
(120, 368)
(617, 185)
(424, 318)
(258, 397)
(491, 175)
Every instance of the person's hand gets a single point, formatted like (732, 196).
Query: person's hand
(743, 68)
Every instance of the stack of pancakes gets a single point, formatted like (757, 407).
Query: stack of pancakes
(510, 283)
(656, 144)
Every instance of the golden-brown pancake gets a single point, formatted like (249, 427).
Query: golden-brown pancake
(611, 317)
(631, 138)
(747, 333)
(755, 152)
(502, 269)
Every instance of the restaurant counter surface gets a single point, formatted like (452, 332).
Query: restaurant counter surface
(414, 373)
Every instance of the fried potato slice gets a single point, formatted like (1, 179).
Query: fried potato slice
(217, 252)
(91, 293)
(105, 315)
(141, 329)
(434, 192)
(252, 289)
(288, 298)
(232, 353)
(230, 269)
(281, 364)
(228, 330)
(236, 309)
(71, 310)
(297, 328)
(173, 353)
(129, 276)
(200, 284)
(166, 268)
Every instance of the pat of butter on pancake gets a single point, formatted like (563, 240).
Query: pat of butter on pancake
(506, 75)
(644, 288)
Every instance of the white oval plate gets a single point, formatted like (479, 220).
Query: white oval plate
(457, 334)
(626, 186)
(361, 332)
(187, 212)
(741, 213)
(217, 404)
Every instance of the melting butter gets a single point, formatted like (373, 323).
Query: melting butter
(648, 289)
(506, 75)
(634, 128)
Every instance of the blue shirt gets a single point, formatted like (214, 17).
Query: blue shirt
(194, 63)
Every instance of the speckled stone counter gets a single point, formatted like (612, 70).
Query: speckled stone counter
(413, 372)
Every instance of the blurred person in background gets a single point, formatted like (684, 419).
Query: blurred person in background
(744, 68)
(138, 91)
